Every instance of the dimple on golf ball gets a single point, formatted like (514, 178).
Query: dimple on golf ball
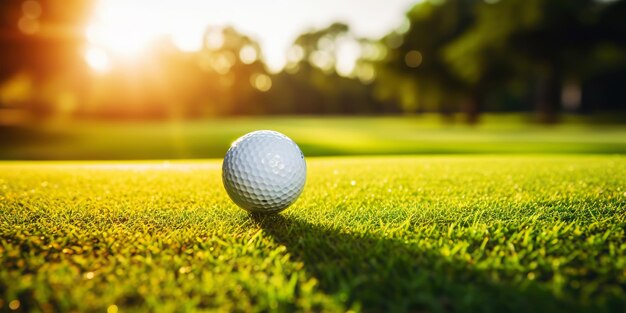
(264, 171)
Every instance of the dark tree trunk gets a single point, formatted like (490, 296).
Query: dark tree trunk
(472, 106)
(548, 99)
(446, 109)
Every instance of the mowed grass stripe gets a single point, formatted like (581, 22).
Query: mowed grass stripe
(316, 136)
(458, 233)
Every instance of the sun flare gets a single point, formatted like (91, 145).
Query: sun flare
(126, 29)
(121, 28)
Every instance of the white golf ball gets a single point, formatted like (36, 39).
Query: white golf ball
(264, 171)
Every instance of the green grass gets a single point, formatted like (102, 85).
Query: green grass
(440, 234)
(427, 134)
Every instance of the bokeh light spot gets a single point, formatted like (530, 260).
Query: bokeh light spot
(295, 54)
(214, 39)
(248, 54)
(373, 51)
(348, 52)
(261, 82)
(89, 275)
(365, 73)
(292, 68)
(31, 9)
(222, 62)
(16, 90)
(28, 25)
(394, 40)
(413, 58)
(322, 59)
(326, 43)
(404, 26)
(14, 305)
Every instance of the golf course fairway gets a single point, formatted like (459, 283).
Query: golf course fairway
(481, 233)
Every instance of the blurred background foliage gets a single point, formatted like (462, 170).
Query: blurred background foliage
(474, 56)
(467, 56)
(63, 97)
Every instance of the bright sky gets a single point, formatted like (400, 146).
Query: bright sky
(127, 26)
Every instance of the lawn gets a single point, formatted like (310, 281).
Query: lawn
(317, 136)
(475, 233)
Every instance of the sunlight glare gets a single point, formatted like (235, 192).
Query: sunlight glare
(128, 28)
(188, 40)
(348, 52)
(97, 59)
(124, 27)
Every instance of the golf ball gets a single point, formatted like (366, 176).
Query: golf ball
(264, 171)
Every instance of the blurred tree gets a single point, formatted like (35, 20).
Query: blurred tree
(236, 77)
(448, 56)
(225, 77)
(312, 67)
(311, 83)
(414, 69)
(544, 42)
(461, 54)
(43, 39)
(602, 72)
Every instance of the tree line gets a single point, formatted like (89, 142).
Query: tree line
(448, 56)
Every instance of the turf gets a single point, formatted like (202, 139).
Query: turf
(439, 234)
(317, 136)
